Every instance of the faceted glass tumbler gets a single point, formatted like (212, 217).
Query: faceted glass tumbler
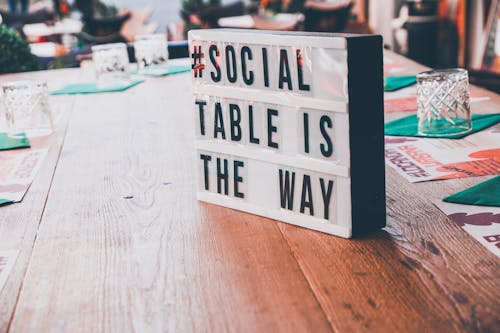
(27, 108)
(151, 51)
(111, 64)
(443, 102)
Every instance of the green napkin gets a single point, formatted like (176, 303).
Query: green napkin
(91, 88)
(166, 70)
(7, 142)
(392, 83)
(484, 194)
(408, 126)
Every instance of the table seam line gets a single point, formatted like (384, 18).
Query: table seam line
(330, 324)
(11, 319)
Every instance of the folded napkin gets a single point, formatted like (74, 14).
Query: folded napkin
(392, 83)
(165, 70)
(408, 126)
(484, 194)
(19, 141)
(91, 88)
(5, 202)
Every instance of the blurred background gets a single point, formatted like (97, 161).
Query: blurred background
(42, 34)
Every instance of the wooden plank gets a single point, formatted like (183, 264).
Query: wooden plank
(19, 222)
(124, 245)
(421, 274)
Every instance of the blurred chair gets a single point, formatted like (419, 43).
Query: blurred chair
(281, 21)
(211, 15)
(106, 25)
(18, 21)
(207, 16)
(327, 16)
(120, 28)
(103, 30)
(488, 80)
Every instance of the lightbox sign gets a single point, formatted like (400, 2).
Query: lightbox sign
(290, 126)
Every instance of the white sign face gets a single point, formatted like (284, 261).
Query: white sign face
(275, 123)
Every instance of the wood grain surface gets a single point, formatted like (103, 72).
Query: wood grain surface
(19, 222)
(116, 241)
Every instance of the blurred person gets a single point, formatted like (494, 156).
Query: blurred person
(23, 8)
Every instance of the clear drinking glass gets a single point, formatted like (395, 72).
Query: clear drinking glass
(27, 108)
(443, 102)
(151, 52)
(111, 64)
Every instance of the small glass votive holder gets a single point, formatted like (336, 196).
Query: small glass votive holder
(27, 109)
(443, 102)
(111, 65)
(151, 52)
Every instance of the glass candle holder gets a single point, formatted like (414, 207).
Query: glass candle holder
(27, 108)
(443, 102)
(111, 64)
(151, 52)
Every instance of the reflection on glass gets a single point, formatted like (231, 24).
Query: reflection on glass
(111, 65)
(27, 108)
(151, 52)
(443, 102)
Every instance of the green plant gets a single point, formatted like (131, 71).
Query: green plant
(15, 54)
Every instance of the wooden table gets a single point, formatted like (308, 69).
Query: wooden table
(112, 239)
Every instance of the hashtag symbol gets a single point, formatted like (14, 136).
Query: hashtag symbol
(197, 57)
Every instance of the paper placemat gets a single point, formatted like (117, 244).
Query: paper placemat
(17, 171)
(420, 159)
(481, 222)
